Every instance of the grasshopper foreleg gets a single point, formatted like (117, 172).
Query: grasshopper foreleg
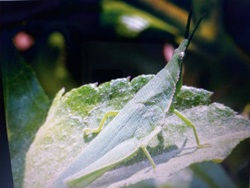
(88, 131)
(190, 124)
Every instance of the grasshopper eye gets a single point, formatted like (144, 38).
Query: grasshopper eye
(181, 55)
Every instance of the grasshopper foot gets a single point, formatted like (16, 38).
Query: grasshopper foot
(87, 132)
(204, 145)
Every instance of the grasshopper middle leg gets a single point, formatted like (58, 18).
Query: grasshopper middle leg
(145, 143)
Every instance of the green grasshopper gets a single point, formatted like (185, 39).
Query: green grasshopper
(133, 127)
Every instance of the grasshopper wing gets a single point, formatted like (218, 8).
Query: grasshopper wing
(122, 152)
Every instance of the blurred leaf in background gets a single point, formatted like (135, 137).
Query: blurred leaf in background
(26, 105)
(130, 21)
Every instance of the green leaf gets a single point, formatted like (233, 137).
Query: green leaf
(26, 106)
(60, 139)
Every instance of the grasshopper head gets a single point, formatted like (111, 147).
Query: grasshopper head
(185, 43)
(179, 53)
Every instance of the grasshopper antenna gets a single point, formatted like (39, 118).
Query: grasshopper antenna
(187, 36)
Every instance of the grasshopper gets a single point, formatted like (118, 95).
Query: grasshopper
(133, 127)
